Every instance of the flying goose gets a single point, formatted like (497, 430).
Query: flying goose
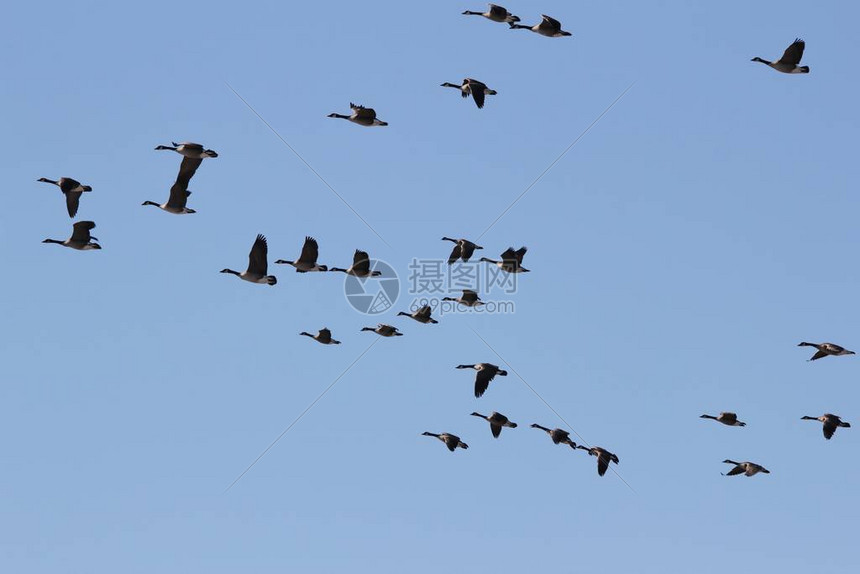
(178, 192)
(469, 298)
(825, 349)
(495, 13)
(80, 239)
(477, 89)
(324, 337)
(361, 116)
(497, 421)
(549, 27)
(257, 264)
(788, 64)
(604, 457)
(307, 261)
(463, 249)
(747, 468)
(486, 373)
(558, 436)
(72, 189)
(730, 419)
(831, 423)
(360, 266)
(191, 151)
(384, 330)
(450, 440)
(512, 261)
(422, 315)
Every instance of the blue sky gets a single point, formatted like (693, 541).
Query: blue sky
(679, 252)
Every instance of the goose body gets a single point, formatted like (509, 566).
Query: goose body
(745, 468)
(307, 260)
(72, 189)
(729, 419)
(463, 249)
(549, 27)
(469, 298)
(361, 116)
(558, 436)
(422, 315)
(512, 261)
(486, 372)
(384, 330)
(452, 441)
(360, 266)
(495, 13)
(324, 337)
(825, 349)
(189, 150)
(830, 423)
(788, 64)
(604, 457)
(80, 239)
(257, 264)
(478, 90)
(497, 421)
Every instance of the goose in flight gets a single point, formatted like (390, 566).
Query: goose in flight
(831, 423)
(307, 261)
(474, 88)
(788, 64)
(80, 239)
(257, 264)
(512, 261)
(730, 419)
(360, 266)
(469, 298)
(486, 373)
(451, 441)
(558, 436)
(463, 249)
(176, 203)
(825, 349)
(361, 116)
(549, 27)
(497, 421)
(191, 151)
(72, 189)
(324, 337)
(495, 13)
(604, 457)
(747, 468)
(384, 330)
(422, 315)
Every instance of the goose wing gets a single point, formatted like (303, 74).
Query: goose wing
(362, 112)
(520, 253)
(178, 195)
(793, 53)
(455, 253)
(324, 335)
(477, 88)
(509, 256)
(818, 355)
(423, 312)
(73, 198)
(257, 258)
(310, 251)
(495, 429)
(469, 296)
(829, 428)
(187, 169)
(552, 22)
(81, 231)
(497, 11)
(482, 381)
(468, 250)
(602, 462)
(738, 469)
(361, 262)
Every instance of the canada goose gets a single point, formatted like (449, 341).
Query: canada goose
(788, 64)
(558, 436)
(486, 373)
(747, 468)
(604, 457)
(80, 239)
(360, 266)
(825, 349)
(361, 116)
(831, 423)
(450, 440)
(191, 151)
(72, 189)
(324, 337)
(477, 89)
(469, 298)
(384, 330)
(463, 249)
(178, 192)
(549, 27)
(257, 264)
(422, 315)
(495, 13)
(730, 419)
(497, 421)
(307, 261)
(512, 261)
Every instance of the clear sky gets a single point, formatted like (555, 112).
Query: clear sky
(679, 252)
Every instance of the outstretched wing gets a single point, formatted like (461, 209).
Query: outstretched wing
(739, 469)
(602, 463)
(361, 262)
(73, 198)
(520, 253)
(551, 21)
(478, 94)
(482, 381)
(362, 112)
(310, 251)
(468, 250)
(829, 430)
(424, 312)
(495, 429)
(818, 355)
(793, 53)
(455, 254)
(257, 259)
(324, 335)
(81, 231)
(469, 296)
